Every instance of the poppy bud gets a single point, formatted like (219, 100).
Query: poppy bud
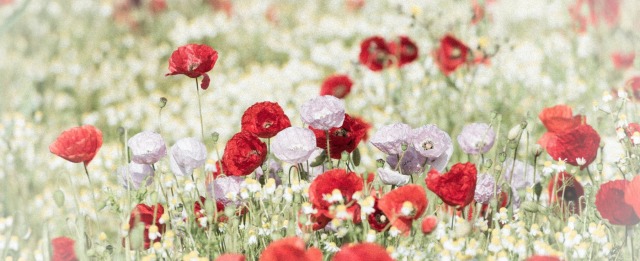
(380, 163)
(163, 102)
(514, 132)
(58, 197)
(529, 206)
(355, 157)
(215, 136)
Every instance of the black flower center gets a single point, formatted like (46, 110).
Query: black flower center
(341, 132)
(427, 145)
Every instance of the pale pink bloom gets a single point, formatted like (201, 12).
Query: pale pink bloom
(294, 145)
(225, 189)
(273, 168)
(412, 162)
(323, 112)
(135, 175)
(391, 177)
(440, 163)
(430, 141)
(147, 147)
(476, 138)
(485, 188)
(389, 138)
(186, 155)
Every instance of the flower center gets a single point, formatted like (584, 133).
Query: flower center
(427, 145)
(340, 133)
(456, 53)
(266, 125)
(339, 91)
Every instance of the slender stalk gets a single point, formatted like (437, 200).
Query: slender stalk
(629, 234)
(326, 134)
(200, 109)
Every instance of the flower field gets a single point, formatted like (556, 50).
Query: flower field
(319, 130)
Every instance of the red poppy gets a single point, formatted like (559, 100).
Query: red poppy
(193, 60)
(346, 182)
(291, 248)
(451, 54)
(456, 187)
(404, 49)
(362, 252)
(632, 194)
(345, 138)
(377, 220)
(265, 119)
(63, 249)
(367, 126)
(222, 5)
(633, 86)
(394, 205)
(199, 211)
(565, 187)
(375, 53)
(78, 144)
(610, 202)
(478, 12)
(622, 61)
(429, 224)
(560, 118)
(581, 142)
(231, 257)
(632, 128)
(145, 214)
(338, 85)
(243, 153)
(157, 6)
(543, 258)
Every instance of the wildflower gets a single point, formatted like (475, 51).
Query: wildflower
(265, 119)
(187, 154)
(394, 231)
(323, 112)
(338, 85)
(147, 147)
(371, 236)
(343, 183)
(331, 247)
(343, 138)
(567, 188)
(367, 205)
(63, 249)
(622, 60)
(411, 162)
(404, 49)
(394, 207)
(375, 54)
(610, 202)
(134, 175)
(377, 219)
(149, 216)
(362, 252)
(451, 54)
(193, 60)
(78, 144)
(429, 224)
(294, 145)
(632, 194)
(456, 187)
(291, 248)
(430, 141)
(390, 138)
(476, 138)
(485, 188)
(243, 153)
(391, 177)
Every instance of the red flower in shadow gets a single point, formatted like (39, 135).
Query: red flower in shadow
(345, 138)
(570, 192)
(632, 194)
(145, 214)
(78, 144)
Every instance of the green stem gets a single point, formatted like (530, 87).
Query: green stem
(326, 134)
(200, 110)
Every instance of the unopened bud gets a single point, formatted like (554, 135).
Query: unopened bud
(529, 206)
(215, 136)
(537, 189)
(404, 146)
(344, 156)
(163, 102)
(514, 132)
(502, 156)
(538, 150)
(58, 197)
(523, 124)
(380, 163)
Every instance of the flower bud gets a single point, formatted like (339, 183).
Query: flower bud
(163, 102)
(529, 206)
(58, 197)
(215, 136)
(502, 156)
(537, 189)
(355, 157)
(380, 163)
(514, 132)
